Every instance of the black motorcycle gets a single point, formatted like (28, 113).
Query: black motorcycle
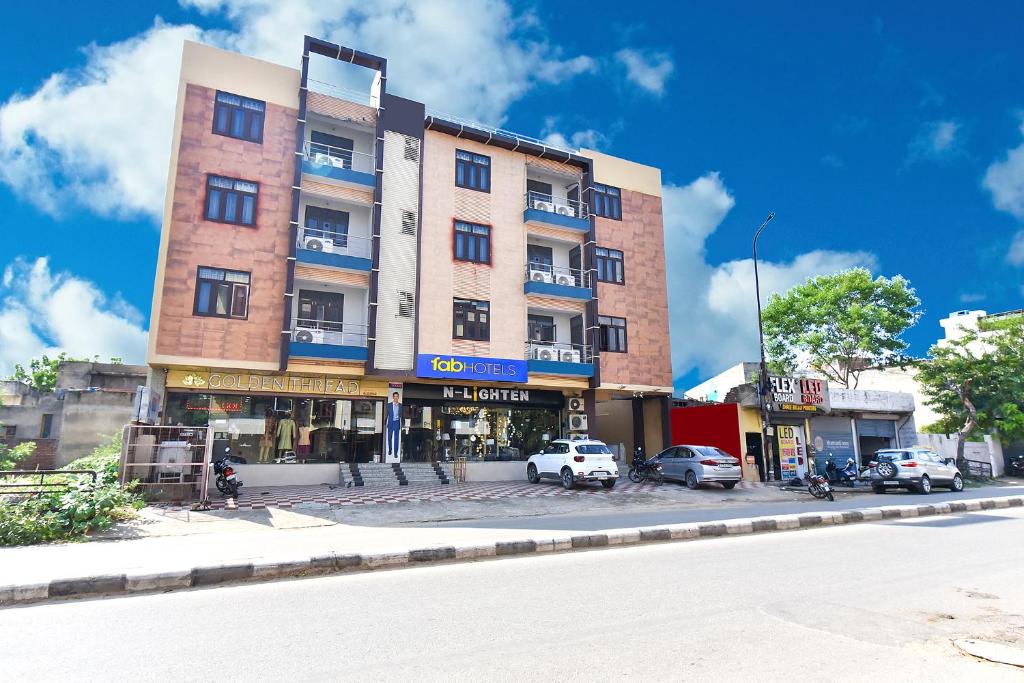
(646, 470)
(1016, 465)
(227, 482)
(818, 486)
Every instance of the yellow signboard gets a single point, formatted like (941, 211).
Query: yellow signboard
(274, 383)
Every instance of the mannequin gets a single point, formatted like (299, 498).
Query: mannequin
(303, 448)
(286, 433)
(267, 440)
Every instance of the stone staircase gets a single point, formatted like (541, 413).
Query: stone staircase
(425, 473)
(395, 474)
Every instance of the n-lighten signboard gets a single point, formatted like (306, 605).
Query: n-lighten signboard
(446, 366)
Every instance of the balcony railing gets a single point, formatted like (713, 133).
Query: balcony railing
(312, 331)
(557, 275)
(330, 242)
(320, 154)
(559, 351)
(563, 207)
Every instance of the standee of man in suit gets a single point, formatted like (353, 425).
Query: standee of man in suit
(393, 424)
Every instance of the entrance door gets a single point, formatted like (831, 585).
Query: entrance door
(754, 448)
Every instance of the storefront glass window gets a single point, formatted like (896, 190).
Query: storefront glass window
(483, 433)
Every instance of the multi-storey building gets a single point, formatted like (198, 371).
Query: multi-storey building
(326, 254)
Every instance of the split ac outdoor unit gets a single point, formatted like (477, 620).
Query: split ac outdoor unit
(565, 279)
(569, 356)
(576, 404)
(540, 276)
(318, 244)
(564, 210)
(309, 335)
(543, 206)
(578, 422)
(321, 158)
(545, 353)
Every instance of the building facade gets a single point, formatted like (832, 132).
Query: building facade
(346, 277)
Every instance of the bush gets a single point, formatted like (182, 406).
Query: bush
(10, 456)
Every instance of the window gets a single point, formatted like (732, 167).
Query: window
(607, 201)
(9, 432)
(412, 149)
(238, 117)
(46, 426)
(327, 224)
(540, 328)
(229, 200)
(408, 222)
(613, 333)
(472, 242)
(538, 191)
(333, 146)
(321, 310)
(540, 257)
(471, 320)
(609, 266)
(221, 293)
(472, 171)
(406, 307)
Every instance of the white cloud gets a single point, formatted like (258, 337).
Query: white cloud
(647, 69)
(1004, 179)
(99, 136)
(46, 312)
(972, 297)
(936, 141)
(588, 138)
(713, 313)
(1016, 253)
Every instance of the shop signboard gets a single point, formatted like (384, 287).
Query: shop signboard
(446, 366)
(462, 393)
(798, 395)
(274, 383)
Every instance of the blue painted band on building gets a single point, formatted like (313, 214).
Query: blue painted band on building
(326, 258)
(335, 173)
(556, 219)
(552, 289)
(555, 367)
(309, 350)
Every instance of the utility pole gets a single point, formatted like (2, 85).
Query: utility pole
(762, 376)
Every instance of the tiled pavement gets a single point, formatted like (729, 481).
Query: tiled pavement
(257, 498)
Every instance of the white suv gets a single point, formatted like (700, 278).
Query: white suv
(915, 469)
(571, 461)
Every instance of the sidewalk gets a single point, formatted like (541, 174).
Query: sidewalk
(264, 552)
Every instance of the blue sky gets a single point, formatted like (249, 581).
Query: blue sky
(880, 136)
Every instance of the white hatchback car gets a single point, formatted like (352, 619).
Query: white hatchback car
(572, 461)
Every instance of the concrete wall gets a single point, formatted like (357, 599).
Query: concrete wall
(496, 471)
(88, 419)
(990, 450)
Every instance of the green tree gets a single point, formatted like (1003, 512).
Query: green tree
(42, 372)
(840, 324)
(10, 456)
(976, 383)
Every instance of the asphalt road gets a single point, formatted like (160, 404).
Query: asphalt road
(870, 602)
(620, 519)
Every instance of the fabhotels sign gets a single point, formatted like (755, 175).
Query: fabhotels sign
(445, 366)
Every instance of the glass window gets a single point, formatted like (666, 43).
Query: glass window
(540, 328)
(471, 320)
(238, 117)
(593, 449)
(472, 171)
(230, 200)
(472, 242)
(321, 310)
(334, 146)
(610, 265)
(607, 201)
(221, 293)
(612, 334)
(327, 224)
(406, 305)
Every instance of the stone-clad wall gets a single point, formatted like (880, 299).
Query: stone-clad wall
(193, 241)
(643, 300)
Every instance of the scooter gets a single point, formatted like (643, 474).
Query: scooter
(846, 476)
(227, 479)
(818, 486)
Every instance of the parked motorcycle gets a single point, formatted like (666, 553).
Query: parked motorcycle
(227, 479)
(818, 486)
(646, 470)
(1016, 465)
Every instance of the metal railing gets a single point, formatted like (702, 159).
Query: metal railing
(559, 351)
(557, 275)
(559, 205)
(312, 331)
(22, 484)
(500, 132)
(977, 469)
(169, 462)
(325, 155)
(316, 239)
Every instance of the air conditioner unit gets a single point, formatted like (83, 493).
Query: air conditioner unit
(569, 356)
(576, 404)
(543, 206)
(540, 276)
(321, 158)
(318, 244)
(578, 422)
(566, 279)
(309, 335)
(564, 210)
(545, 353)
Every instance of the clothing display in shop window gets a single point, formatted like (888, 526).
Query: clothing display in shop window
(303, 448)
(286, 433)
(267, 440)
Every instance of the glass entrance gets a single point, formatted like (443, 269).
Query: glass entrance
(481, 433)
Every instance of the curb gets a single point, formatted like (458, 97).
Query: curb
(320, 565)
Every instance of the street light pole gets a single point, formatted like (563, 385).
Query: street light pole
(762, 381)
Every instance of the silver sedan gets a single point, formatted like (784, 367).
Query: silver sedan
(696, 465)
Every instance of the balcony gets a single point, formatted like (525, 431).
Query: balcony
(339, 164)
(333, 249)
(559, 358)
(553, 211)
(557, 281)
(327, 339)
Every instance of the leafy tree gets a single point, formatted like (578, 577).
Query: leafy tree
(10, 456)
(840, 324)
(42, 372)
(976, 383)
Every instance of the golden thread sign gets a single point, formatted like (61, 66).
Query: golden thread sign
(274, 383)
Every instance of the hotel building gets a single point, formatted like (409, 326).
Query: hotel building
(323, 250)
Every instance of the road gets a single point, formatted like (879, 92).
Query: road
(619, 519)
(866, 602)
